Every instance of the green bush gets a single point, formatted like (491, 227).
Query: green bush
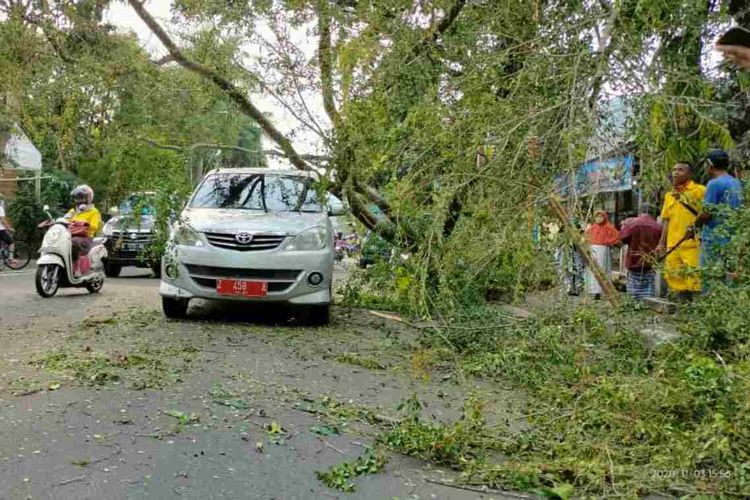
(26, 213)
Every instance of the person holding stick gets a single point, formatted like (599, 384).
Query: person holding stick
(678, 240)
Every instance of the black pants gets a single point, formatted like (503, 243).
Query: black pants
(6, 237)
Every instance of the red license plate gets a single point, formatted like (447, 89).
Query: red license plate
(242, 288)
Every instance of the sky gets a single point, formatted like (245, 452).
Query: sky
(125, 19)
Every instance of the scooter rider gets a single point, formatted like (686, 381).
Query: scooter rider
(84, 211)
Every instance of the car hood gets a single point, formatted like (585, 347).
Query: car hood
(127, 223)
(215, 220)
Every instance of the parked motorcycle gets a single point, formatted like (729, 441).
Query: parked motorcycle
(55, 267)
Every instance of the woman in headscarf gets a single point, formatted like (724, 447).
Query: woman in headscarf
(601, 236)
(569, 261)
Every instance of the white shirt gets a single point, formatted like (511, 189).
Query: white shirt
(2, 215)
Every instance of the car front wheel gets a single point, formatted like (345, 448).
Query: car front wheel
(318, 315)
(174, 308)
(112, 270)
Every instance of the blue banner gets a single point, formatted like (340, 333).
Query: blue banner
(597, 176)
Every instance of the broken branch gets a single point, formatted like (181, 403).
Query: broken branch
(234, 92)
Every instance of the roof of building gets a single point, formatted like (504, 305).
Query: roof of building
(17, 150)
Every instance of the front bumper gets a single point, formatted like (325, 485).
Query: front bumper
(193, 271)
(119, 251)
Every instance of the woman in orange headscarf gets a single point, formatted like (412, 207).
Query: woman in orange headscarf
(602, 236)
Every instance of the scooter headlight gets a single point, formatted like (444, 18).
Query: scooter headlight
(54, 234)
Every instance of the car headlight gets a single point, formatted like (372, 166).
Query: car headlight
(182, 234)
(310, 239)
(109, 228)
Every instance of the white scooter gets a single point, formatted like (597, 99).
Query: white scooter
(55, 266)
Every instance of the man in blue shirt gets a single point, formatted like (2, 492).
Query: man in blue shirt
(722, 192)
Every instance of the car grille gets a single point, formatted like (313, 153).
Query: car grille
(258, 242)
(278, 280)
(128, 238)
(121, 246)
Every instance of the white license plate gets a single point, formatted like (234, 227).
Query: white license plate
(133, 247)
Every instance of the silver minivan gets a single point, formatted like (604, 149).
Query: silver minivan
(253, 235)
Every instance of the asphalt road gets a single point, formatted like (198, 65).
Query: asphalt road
(73, 440)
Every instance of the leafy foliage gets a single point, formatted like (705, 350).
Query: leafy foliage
(419, 89)
(338, 476)
(454, 445)
(459, 115)
(608, 414)
(26, 213)
(97, 107)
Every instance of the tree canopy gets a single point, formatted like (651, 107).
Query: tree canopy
(98, 107)
(402, 96)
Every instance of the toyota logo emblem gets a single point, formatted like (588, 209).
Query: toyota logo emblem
(243, 238)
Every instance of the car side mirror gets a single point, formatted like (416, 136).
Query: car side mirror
(114, 211)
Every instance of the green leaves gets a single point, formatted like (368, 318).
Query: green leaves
(325, 430)
(182, 417)
(338, 477)
(563, 491)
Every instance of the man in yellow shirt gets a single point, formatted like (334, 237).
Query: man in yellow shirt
(680, 211)
(84, 211)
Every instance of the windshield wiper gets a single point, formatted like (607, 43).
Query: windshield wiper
(263, 193)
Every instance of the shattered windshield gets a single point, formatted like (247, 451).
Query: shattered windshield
(270, 193)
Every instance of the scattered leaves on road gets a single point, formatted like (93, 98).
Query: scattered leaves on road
(357, 360)
(225, 397)
(143, 367)
(337, 477)
(324, 430)
(182, 417)
(23, 386)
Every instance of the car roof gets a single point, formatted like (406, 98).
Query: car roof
(267, 171)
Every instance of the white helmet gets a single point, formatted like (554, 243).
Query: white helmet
(82, 194)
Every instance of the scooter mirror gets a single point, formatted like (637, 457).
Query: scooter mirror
(45, 208)
(114, 211)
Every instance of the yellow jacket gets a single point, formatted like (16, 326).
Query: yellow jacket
(90, 215)
(680, 218)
